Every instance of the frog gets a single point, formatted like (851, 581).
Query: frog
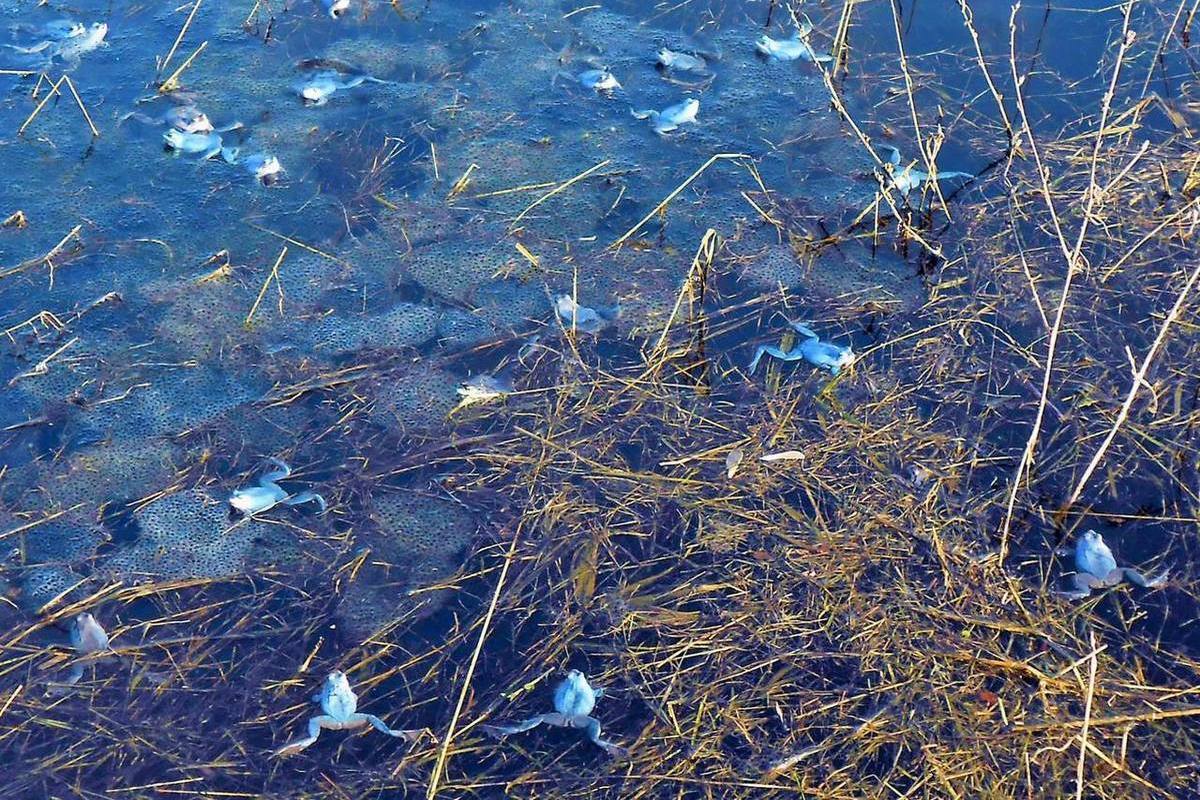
(88, 638)
(267, 494)
(905, 179)
(684, 62)
(335, 8)
(56, 30)
(672, 117)
(574, 699)
(484, 388)
(185, 118)
(317, 88)
(208, 145)
(1096, 568)
(600, 80)
(583, 318)
(264, 166)
(66, 40)
(340, 706)
(821, 354)
(791, 49)
(73, 49)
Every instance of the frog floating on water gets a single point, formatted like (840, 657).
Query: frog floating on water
(186, 118)
(88, 637)
(317, 88)
(67, 41)
(340, 704)
(684, 62)
(574, 699)
(797, 47)
(905, 179)
(1096, 568)
(672, 117)
(484, 388)
(56, 30)
(264, 166)
(207, 145)
(821, 354)
(268, 494)
(600, 80)
(335, 8)
(583, 318)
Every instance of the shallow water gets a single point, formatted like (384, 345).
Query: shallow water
(196, 321)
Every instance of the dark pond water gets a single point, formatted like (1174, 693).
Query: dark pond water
(172, 321)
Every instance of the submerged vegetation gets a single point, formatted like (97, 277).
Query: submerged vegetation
(505, 330)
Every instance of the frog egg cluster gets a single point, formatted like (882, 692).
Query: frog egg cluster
(271, 429)
(854, 273)
(406, 325)
(413, 224)
(176, 401)
(418, 397)
(451, 268)
(460, 329)
(512, 304)
(60, 541)
(304, 278)
(774, 267)
(416, 541)
(41, 585)
(116, 472)
(185, 535)
(377, 57)
(206, 319)
(432, 528)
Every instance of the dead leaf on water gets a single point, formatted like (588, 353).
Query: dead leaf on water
(786, 455)
(733, 461)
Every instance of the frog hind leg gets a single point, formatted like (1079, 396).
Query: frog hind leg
(306, 497)
(1083, 584)
(1138, 579)
(315, 724)
(500, 731)
(770, 350)
(280, 472)
(592, 726)
(379, 725)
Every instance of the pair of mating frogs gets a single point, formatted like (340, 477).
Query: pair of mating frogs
(1096, 568)
(574, 699)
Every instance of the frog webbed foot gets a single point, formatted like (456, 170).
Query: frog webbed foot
(1138, 579)
(500, 731)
